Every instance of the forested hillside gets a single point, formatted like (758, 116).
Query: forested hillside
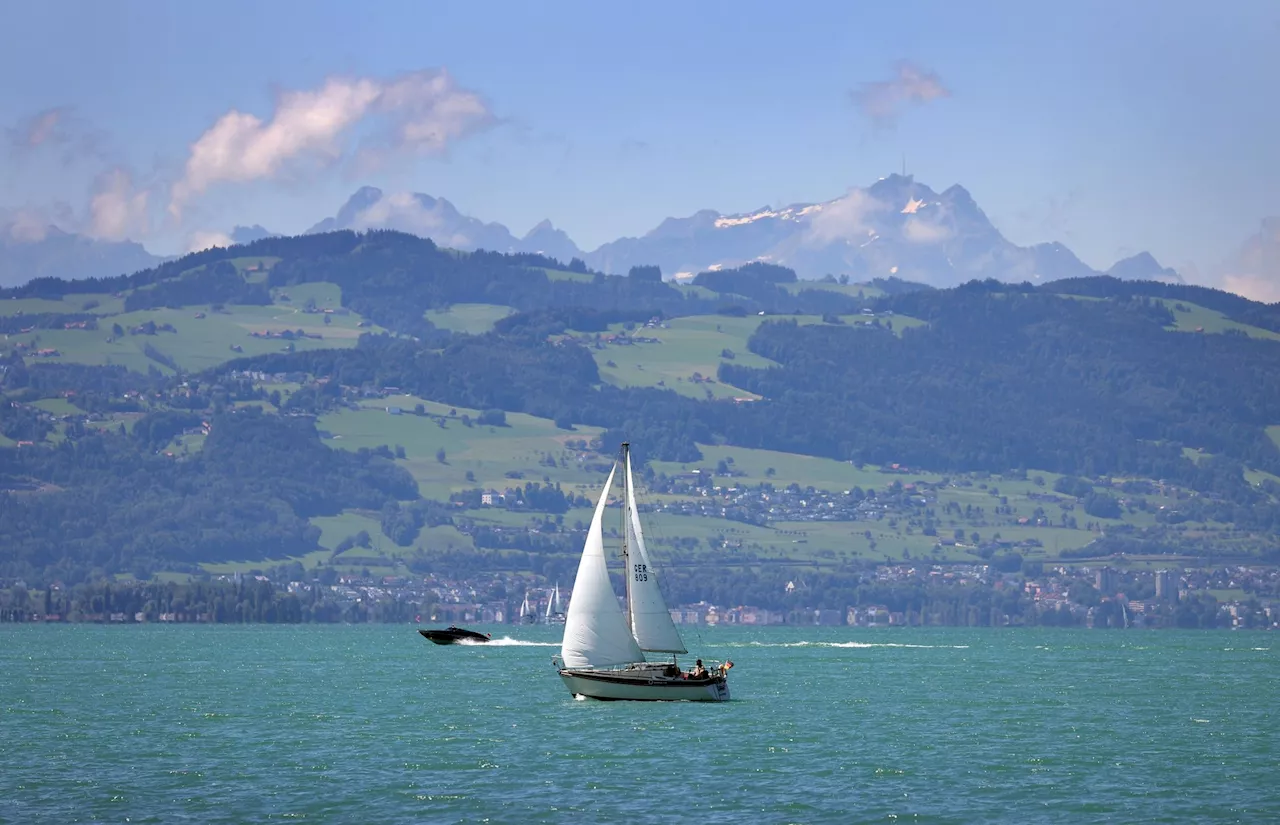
(221, 408)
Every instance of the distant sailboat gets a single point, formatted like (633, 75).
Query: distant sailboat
(555, 615)
(527, 614)
(602, 653)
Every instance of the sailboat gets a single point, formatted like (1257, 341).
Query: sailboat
(527, 614)
(602, 652)
(554, 614)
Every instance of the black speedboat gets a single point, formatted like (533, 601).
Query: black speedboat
(453, 635)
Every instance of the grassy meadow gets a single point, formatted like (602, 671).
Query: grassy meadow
(487, 453)
(1195, 318)
(203, 337)
(469, 318)
(692, 349)
(68, 304)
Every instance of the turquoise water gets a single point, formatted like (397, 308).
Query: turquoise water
(374, 724)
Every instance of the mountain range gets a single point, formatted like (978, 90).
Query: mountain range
(895, 227)
(58, 254)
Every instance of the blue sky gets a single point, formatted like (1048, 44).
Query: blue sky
(1114, 127)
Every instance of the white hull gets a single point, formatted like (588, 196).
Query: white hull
(643, 687)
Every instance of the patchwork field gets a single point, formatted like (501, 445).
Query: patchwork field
(475, 456)
(201, 337)
(751, 467)
(692, 349)
(687, 358)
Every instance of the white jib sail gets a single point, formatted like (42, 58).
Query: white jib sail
(650, 620)
(595, 630)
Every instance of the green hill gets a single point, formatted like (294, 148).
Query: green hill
(470, 403)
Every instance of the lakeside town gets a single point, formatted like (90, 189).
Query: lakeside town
(899, 595)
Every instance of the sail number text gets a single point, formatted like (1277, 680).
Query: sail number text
(641, 572)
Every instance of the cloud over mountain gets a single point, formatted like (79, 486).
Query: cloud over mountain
(1255, 271)
(895, 227)
(440, 220)
(883, 101)
(117, 210)
(416, 113)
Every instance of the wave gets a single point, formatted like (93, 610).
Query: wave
(858, 645)
(507, 641)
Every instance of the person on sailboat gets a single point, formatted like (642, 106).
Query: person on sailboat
(698, 672)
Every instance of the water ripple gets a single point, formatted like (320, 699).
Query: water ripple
(341, 724)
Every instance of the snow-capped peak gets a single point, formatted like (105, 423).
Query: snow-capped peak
(791, 213)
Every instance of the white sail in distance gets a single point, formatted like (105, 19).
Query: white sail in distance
(595, 629)
(650, 619)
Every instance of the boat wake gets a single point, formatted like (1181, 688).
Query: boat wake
(858, 645)
(507, 641)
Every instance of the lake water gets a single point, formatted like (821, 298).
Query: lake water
(208, 724)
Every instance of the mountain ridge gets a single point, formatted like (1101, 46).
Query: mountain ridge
(68, 256)
(896, 227)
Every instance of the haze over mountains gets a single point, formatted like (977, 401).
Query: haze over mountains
(53, 253)
(895, 227)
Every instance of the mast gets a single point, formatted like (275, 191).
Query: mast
(626, 521)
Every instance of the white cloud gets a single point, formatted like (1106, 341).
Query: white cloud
(201, 240)
(117, 210)
(40, 128)
(403, 211)
(1255, 272)
(419, 112)
(918, 230)
(31, 224)
(61, 131)
(883, 100)
(24, 225)
(428, 111)
(1254, 287)
(844, 218)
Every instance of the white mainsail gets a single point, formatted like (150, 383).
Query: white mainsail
(650, 620)
(553, 604)
(595, 630)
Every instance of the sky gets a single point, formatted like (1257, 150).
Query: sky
(1112, 127)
